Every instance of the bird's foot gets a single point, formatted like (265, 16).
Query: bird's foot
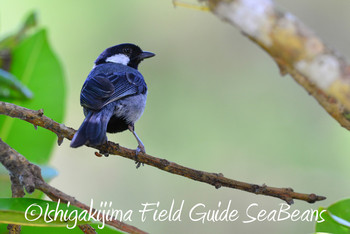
(140, 148)
(104, 153)
(138, 164)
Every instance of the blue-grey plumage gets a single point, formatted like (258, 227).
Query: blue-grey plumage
(113, 96)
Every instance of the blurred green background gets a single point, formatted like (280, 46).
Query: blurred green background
(216, 103)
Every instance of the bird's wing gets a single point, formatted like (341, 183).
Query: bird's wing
(102, 89)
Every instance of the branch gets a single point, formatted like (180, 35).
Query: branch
(216, 179)
(17, 191)
(29, 176)
(296, 49)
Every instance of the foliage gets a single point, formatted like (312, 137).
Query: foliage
(31, 76)
(337, 218)
(13, 210)
(37, 67)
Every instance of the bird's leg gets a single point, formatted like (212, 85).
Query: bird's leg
(140, 147)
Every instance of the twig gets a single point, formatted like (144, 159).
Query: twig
(17, 191)
(29, 176)
(323, 72)
(14, 229)
(38, 119)
(87, 229)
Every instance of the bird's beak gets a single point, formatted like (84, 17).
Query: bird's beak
(146, 54)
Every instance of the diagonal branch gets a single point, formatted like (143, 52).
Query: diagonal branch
(27, 175)
(324, 73)
(216, 179)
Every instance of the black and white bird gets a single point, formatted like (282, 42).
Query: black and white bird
(113, 95)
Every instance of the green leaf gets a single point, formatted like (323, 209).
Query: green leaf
(30, 22)
(36, 212)
(63, 230)
(12, 210)
(9, 82)
(60, 230)
(336, 218)
(37, 67)
(10, 42)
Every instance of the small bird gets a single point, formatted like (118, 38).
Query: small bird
(113, 96)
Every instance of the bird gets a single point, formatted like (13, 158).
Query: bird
(113, 96)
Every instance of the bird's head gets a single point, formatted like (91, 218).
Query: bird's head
(127, 54)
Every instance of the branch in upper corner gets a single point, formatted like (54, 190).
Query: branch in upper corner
(27, 175)
(295, 48)
(217, 180)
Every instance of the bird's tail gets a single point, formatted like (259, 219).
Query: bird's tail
(93, 129)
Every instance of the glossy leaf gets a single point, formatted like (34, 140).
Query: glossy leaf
(63, 230)
(59, 230)
(11, 41)
(37, 67)
(36, 212)
(12, 210)
(337, 218)
(9, 83)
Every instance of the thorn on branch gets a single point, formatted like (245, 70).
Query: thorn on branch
(59, 140)
(261, 189)
(289, 200)
(289, 190)
(283, 70)
(164, 162)
(40, 112)
(30, 175)
(217, 184)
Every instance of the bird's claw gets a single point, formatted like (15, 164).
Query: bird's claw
(104, 153)
(139, 149)
(138, 164)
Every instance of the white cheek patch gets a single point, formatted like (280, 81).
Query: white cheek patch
(119, 58)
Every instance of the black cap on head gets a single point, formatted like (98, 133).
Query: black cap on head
(127, 54)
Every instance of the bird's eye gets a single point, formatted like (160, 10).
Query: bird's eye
(127, 51)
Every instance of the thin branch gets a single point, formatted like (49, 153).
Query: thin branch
(14, 229)
(17, 191)
(87, 229)
(29, 176)
(323, 72)
(216, 179)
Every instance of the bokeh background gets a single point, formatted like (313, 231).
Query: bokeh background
(216, 103)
